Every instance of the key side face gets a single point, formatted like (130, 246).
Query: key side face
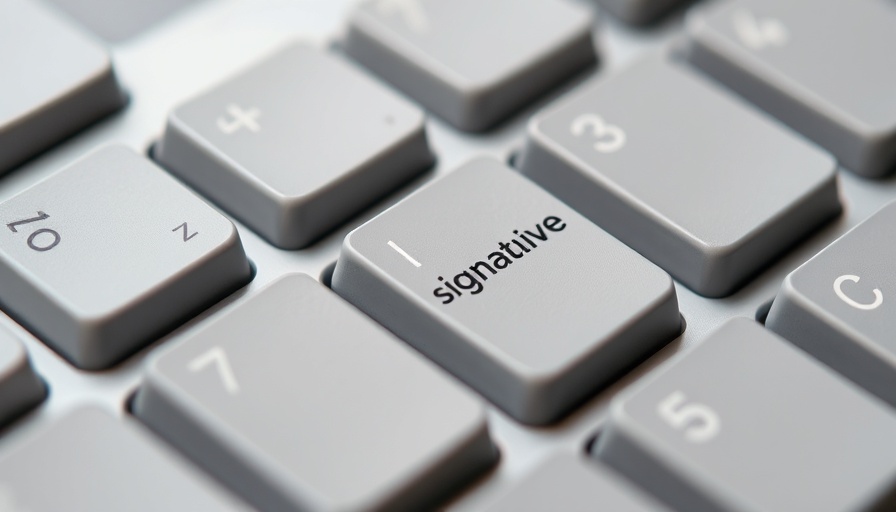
(742, 399)
(20, 387)
(253, 381)
(536, 316)
(126, 471)
(103, 240)
(688, 162)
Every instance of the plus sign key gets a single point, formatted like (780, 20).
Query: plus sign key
(296, 144)
(515, 293)
(111, 253)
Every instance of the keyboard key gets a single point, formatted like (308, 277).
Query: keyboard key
(639, 12)
(56, 81)
(88, 461)
(20, 388)
(522, 298)
(473, 63)
(296, 144)
(683, 173)
(745, 422)
(839, 306)
(298, 402)
(110, 253)
(799, 61)
(571, 484)
(118, 20)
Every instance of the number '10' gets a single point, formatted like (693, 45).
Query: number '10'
(35, 240)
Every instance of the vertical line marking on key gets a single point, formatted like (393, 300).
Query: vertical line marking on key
(407, 256)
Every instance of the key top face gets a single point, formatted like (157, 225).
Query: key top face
(514, 292)
(569, 483)
(20, 387)
(746, 422)
(299, 402)
(770, 52)
(88, 461)
(639, 12)
(473, 63)
(683, 173)
(111, 252)
(296, 144)
(839, 307)
(56, 80)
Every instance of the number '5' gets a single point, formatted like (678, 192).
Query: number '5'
(698, 422)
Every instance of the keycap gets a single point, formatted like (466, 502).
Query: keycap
(639, 12)
(744, 421)
(569, 483)
(824, 67)
(472, 63)
(683, 173)
(56, 80)
(117, 20)
(110, 253)
(88, 461)
(20, 387)
(296, 144)
(298, 402)
(838, 306)
(516, 294)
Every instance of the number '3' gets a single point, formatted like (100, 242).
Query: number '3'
(610, 138)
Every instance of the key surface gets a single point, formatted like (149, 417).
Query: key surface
(111, 252)
(473, 63)
(20, 387)
(88, 461)
(639, 12)
(118, 20)
(536, 334)
(296, 144)
(56, 80)
(298, 402)
(839, 306)
(682, 172)
(569, 483)
(744, 421)
(824, 67)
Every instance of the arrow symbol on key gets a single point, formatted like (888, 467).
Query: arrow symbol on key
(216, 356)
(410, 10)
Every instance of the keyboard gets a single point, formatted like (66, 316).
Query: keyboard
(466, 255)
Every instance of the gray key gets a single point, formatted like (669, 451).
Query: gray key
(118, 20)
(683, 173)
(840, 305)
(472, 62)
(298, 402)
(509, 289)
(88, 461)
(56, 80)
(20, 387)
(569, 483)
(111, 252)
(296, 144)
(745, 422)
(824, 67)
(639, 12)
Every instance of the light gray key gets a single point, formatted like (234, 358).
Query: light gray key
(110, 253)
(296, 144)
(824, 67)
(56, 80)
(569, 483)
(298, 402)
(473, 63)
(118, 20)
(840, 306)
(745, 422)
(20, 387)
(683, 173)
(538, 308)
(639, 12)
(88, 461)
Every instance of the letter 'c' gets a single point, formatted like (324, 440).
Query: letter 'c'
(838, 289)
